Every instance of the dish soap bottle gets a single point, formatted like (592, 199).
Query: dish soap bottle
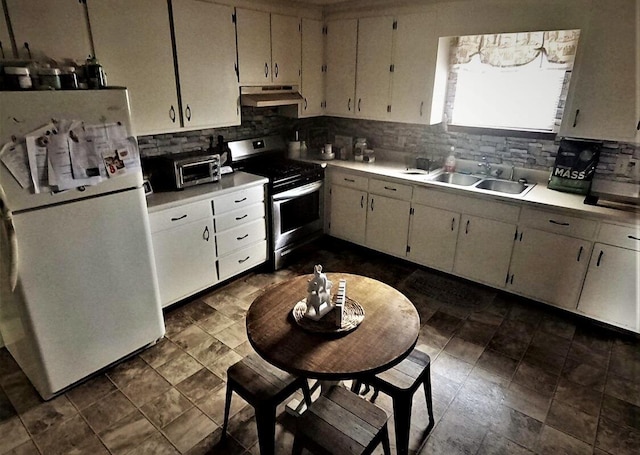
(303, 149)
(450, 162)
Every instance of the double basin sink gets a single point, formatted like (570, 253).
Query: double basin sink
(481, 183)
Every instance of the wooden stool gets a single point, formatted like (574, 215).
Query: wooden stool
(264, 387)
(341, 423)
(400, 383)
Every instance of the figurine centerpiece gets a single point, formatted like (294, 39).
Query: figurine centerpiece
(318, 295)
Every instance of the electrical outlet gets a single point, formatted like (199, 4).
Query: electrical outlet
(623, 165)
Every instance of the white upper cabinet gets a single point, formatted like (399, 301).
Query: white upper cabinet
(341, 47)
(269, 48)
(414, 63)
(373, 73)
(44, 30)
(312, 63)
(603, 100)
(205, 45)
(133, 44)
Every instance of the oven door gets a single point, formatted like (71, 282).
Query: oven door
(297, 214)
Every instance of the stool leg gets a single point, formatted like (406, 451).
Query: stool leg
(306, 392)
(402, 418)
(355, 386)
(227, 408)
(385, 440)
(427, 395)
(297, 446)
(266, 423)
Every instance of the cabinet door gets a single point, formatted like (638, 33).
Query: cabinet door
(610, 291)
(133, 43)
(348, 213)
(312, 74)
(602, 95)
(373, 75)
(185, 260)
(484, 250)
(253, 30)
(387, 224)
(55, 31)
(342, 38)
(414, 58)
(433, 236)
(549, 267)
(285, 49)
(208, 83)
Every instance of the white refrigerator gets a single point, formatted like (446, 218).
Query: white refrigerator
(78, 287)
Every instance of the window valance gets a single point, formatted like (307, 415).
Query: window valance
(516, 49)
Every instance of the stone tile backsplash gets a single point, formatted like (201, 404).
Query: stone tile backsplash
(390, 140)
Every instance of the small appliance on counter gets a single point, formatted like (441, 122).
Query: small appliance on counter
(182, 170)
(615, 195)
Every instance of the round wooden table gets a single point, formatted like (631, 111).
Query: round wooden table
(387, 334)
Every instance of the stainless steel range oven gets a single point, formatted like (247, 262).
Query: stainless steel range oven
(295, 193)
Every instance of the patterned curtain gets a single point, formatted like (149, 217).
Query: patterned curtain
(516, 49)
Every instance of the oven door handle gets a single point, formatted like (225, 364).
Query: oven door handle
(297, 192)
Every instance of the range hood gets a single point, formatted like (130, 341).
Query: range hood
(270, 96)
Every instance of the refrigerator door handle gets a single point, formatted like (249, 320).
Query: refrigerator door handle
(13, 249)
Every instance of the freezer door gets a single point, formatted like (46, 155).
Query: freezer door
(87, 292)
(23, 112)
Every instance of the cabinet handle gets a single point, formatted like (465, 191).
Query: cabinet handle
(187, 113)
(362, 201)
(511, 280)
(240, 200)
(266, 69)
(579, 254)
(172, 114)
(276, 71)
(575, 119)
(240, 261)
(453, 222)
(243, 237)
(179, 218)
(466, 229)
(421, 106)
(390, 188)
(359, 100)
(238, 218)
(638, 126)
(633, 238)
(349, 180)
(205, 234)
(305, 104)
(372, 204)
(559, 223)
(349, 105)
(599, 258)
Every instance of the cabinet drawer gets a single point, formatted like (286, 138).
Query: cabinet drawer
(390, 189)
(622, 236)
(357, 182)
(240, 237)
(243, 259)
(178, 216)
(559, 223)
(230, 220)
(238, 199)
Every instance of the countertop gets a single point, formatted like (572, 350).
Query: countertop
(228, 183)
(539, 196)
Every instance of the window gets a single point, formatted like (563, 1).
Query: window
(511, 81)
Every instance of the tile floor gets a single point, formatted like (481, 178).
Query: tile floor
(509, 377)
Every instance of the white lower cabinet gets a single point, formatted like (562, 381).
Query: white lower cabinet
(484, 250)
(184, 249)
(548, 267)
(387, 226)
(611, 291)
(433, 236)
(349, 205)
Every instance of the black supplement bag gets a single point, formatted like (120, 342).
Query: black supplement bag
(575, 165)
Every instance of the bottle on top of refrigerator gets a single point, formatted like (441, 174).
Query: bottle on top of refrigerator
(450, 162)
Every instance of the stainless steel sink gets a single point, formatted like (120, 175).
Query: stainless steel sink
(454, 178)
(502, 186)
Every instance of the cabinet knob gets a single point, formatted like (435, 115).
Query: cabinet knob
(172, 114)
(266, 69)
(275, 72)
(187, 113)
(205, 234)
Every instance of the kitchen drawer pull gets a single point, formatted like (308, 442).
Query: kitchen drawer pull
(240, 200)
(390, 188)
(205, 234)
(453, 223)
(266, 69)
(633, 238)
(359, 101)
(559, 223)
(305, 104)
(172, 114)
(238, 218)
(372, 204)
(179, 218)
(242, 237)
(187, 113)
(599, 258)
(240, 261)
(276, 71)
(349, 180)
(466, 229)
(575, 119)
(579, 253)
(362, 201)
(349, 105)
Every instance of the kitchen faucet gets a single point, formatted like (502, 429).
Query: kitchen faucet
(485, 165)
